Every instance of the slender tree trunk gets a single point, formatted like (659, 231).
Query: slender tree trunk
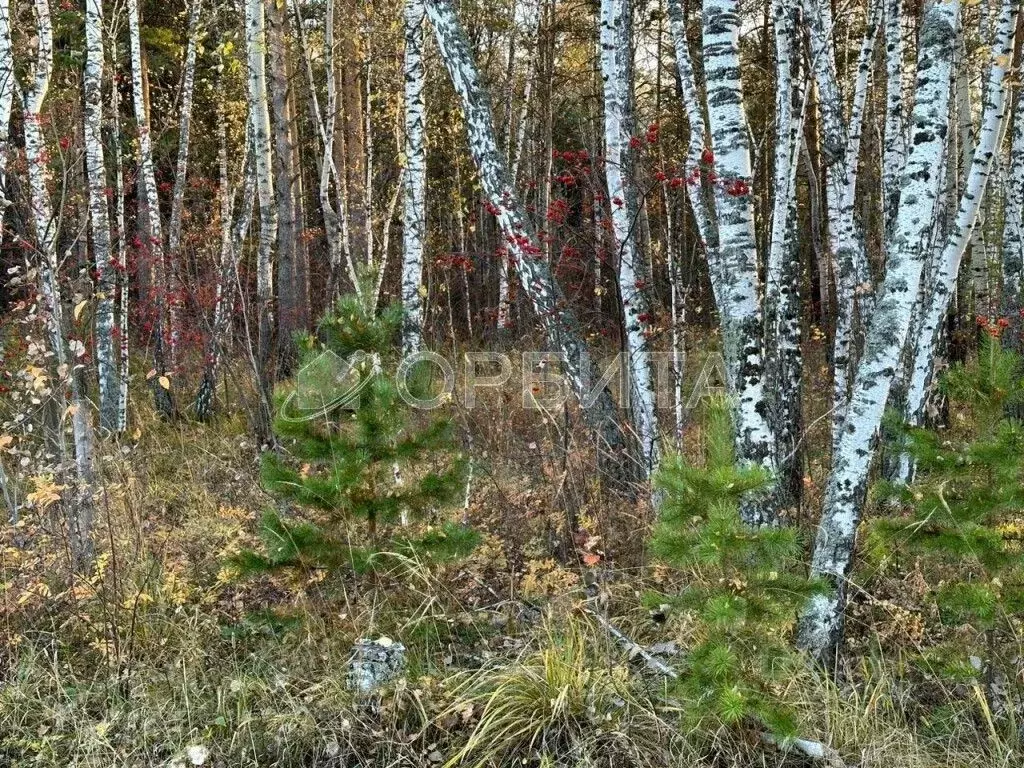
(414, 210)
(840, 148)
(822, 621)
(285, 176)
(737, 274)
(81, 511)
(123, 287)
(176, 286)
(6, 102)
(782, 272)
(617, 73)
(259, 122)
(894, 149)
(96, 169)
(152, 227)
(947, 257)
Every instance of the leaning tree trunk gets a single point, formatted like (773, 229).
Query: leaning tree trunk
(617, 73)
(414, 210)
(737, 294)
(150, 215)
(175, 299)
(946, 259)
(559, 323)
(81, 512)
(822, 621)
(96, 168)
(259, 123)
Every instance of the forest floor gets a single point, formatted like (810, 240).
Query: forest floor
(164, 656)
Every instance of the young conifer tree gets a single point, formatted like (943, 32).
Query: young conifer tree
(355, 452)
(962, 516)
(743, 588)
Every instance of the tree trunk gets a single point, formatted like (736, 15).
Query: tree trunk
(945, 265)
(176, 286)
(96, 168)
(737, 273)
(259, 122)
(414, 210)
(286, 175)
(81, 510)
(617, 74)
(822, 620)
(152, 227)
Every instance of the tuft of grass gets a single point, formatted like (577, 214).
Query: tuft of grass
(562, 700)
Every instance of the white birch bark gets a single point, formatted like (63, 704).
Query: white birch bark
(96, 170)
(174, 282)
(894, 148)
(616, 69)
(840, 145)
(821, 622)
(153, 226)
(739, 302)
(81, 512)
(559, 323)
(782, 270)
(6, 100)
(122, 251)
(947, 258)
(259, 122)
(703, 213)
(414, 209)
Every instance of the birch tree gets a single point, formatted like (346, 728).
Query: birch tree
(782, 269)
(259, 125)
(414, 207)
(6, 100)
(96, 170)
(559, 323)
(946, 258)
(738, 293)
(894, 148)
(174, 282)
(616, 70)
(840, 149)
(822, 621)
(81, 512)
(122, 250)
(150, 217)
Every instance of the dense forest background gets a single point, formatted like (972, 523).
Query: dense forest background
(505, 382)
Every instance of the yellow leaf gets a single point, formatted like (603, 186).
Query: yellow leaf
(423, 291)
(79, 307)
(165, 382)
(5, 440)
